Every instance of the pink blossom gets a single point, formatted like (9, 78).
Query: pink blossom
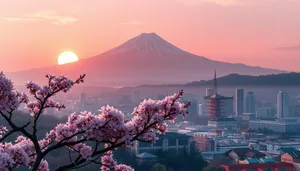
(106, 126)
(8, 97)
(108, 163)
(3, 130)
(43, 166)
(84, 150)
(5, 161)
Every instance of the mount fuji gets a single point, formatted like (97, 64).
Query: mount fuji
(144, 59)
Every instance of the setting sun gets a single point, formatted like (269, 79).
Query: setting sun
(67, 57)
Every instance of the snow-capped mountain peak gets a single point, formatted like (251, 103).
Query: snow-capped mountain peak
(145, 43)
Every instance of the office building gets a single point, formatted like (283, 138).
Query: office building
(282, 105)
(209, 91)
(200, 109)
(171, 141)
(223, 123)
(239, 102)
(266, 113)
(228, 108)
(250, 103)
(291, 125)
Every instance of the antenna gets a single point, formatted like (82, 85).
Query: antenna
(215, 83)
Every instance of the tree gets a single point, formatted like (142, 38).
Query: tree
(88, 138)
(213, 168)
(159, 167)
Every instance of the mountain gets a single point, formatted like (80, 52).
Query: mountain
(285, 79)
(144, 59)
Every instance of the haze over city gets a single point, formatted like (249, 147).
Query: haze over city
(238, 31)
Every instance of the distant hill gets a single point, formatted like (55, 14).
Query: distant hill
(285, 79)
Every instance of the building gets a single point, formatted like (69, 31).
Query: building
(239, 102)
(277, 146)
(293, 157)
(146, 159)
(291, 125)
(215, 103)
(250, 103)
(243, 159)
(223, 123)
(171, 141)
(228, 108)
(204, 143)
(249, 116)
(282, 105)
(135, 96)
(200, 109)
(259, 165)
(83, 98)
(193, 108)
(266, 113)
(209, 91)
(219, 141)
(224, 145)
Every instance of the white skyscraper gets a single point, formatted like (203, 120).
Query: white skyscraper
(282, 105)
(200, 108)
(209, 91)
(250, 103)
(239, 102)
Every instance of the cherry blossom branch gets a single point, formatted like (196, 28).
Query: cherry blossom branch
(82, 130)
(13, 131)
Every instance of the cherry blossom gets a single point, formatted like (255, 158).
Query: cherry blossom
(81, 130)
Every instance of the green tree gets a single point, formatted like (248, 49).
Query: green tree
(159, 167)
(213, 168)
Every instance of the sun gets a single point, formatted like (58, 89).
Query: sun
(67, 57)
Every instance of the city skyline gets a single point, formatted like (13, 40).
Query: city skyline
(254, 33)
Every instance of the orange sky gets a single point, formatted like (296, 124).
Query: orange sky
(254, 32)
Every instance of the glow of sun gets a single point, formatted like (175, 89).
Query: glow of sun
(67, 57)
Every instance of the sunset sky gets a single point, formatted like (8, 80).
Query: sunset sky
(255, 32)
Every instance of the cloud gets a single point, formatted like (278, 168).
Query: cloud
(289, 48)
(132, 23)
(50, 16)
(219, 2)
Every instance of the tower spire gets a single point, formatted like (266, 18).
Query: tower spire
(215, 83)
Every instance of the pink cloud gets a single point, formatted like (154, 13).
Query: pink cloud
(50, 16)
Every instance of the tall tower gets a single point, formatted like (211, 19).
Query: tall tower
(282, 105)
(250, 103)
(215, 103)
(215, 83)
(239, 102)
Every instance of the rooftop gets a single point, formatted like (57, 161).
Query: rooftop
(217, 96)
(278, 122)
(222, 119)
(292, 151)
(146, 155)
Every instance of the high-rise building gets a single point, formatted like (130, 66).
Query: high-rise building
(200, 108)
(266, 113)
(209, 91)
(239, 102)
(228, 108)
(282, 105)
(135, 96)
(193, 108)
(250, 103)
(83, 98)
